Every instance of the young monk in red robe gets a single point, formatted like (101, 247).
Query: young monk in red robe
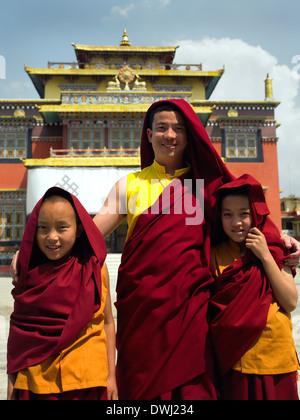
(253, 298)
(61, 342)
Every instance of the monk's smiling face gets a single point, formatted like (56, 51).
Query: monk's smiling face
(169, 139)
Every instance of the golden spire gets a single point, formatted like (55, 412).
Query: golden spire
(268, 89)
(125, 41)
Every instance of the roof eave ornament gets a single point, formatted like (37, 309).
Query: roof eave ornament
(125, 41)
(268, 89)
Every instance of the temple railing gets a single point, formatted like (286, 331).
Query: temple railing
(118, 66)
(90, 153)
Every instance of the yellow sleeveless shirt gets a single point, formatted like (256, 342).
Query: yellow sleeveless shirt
(144, 188)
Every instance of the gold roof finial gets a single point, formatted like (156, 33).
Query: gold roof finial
(268, 89)
(125, 41)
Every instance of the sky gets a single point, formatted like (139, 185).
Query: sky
(249, 37)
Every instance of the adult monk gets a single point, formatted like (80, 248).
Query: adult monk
(164, 280)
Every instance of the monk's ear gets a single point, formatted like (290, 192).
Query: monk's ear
(149, 134)
(79, 230)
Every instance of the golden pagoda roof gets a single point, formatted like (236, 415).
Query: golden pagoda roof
(125, 45)
(121, 48)
(240, 103)
(83, 162)
(25, 102)
(106, 108)
(94, 71)
(39, 76)
(86, 66)
(53, 113)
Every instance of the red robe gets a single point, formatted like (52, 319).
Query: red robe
(54, 300)
(164, 280)
(243, 295)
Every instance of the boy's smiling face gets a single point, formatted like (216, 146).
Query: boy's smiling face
(236, 217)
(57, 229)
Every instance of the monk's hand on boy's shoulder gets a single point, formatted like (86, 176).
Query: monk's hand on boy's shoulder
(294, 246)
(257, 243)
(13, 271)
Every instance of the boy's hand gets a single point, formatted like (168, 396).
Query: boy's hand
(13, 268)
(257, 243)
(112, 390)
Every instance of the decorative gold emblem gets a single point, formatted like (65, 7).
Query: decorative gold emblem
(125, 40)
(268, 88)
(126, 75)
(19, 113)
(114, 85)
(232, 113)
(138, 85)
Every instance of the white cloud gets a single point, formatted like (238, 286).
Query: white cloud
(154, 4)
(16, 90)
(150, 4)
(164, 3)
(122, 11)
(246, 67)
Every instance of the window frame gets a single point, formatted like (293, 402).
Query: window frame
(259, 148)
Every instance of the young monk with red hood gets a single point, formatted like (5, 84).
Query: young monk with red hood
(62, 340)
(253, 298)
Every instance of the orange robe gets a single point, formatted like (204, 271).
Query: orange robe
(83, 364)
(274, 350)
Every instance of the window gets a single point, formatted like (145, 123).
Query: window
(124, 137)
(12, 145)
(5, 260)
(115, 134)
(12, 219)
(86, 135)
(86, 138)
(242, 144)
